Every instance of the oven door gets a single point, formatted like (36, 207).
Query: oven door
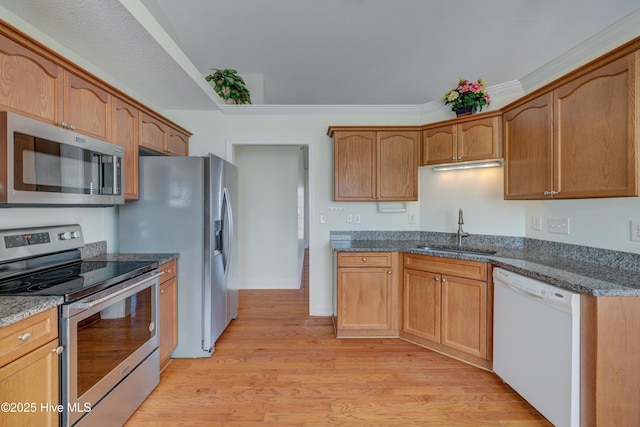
(105, 340)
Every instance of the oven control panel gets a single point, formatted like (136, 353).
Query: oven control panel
(17, 240)
(27, 242)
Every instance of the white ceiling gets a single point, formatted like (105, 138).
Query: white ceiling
(316, 52)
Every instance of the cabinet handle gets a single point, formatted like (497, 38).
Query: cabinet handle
(63, 124)
(444, 280)
(72, 127)
(453, 158)
(58, 350)
(389, 272)
(437, 279)
(459, 158)
(364, 260)
(25, 337)
(550, 193)
(162, 291)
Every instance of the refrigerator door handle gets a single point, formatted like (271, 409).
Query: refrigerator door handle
(228, 218)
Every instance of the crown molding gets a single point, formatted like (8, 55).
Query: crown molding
(615, 35)
(500, 90)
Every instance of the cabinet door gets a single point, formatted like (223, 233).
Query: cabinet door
(178, 144)
(125, 134)
(32, 380)
(595, 132)
(29, 84)
(479, 139)
(464, 315)
(528, 142)
(153, 133)
(421, 314)
(364, 298)
(439, 145)
(168, 319)
(87, 108)
(397, 165)
(354, 166)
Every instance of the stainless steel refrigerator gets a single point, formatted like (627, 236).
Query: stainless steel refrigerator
(188, 205)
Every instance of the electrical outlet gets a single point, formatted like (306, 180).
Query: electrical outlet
(412, 218)
(559, 225)
(349, 218)
(635, 230)
(323, 218)
(356, 218)
(536, 222)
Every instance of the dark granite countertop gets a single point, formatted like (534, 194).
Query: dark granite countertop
(14, 309)
(586, 270)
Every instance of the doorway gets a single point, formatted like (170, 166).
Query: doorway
(274, 209)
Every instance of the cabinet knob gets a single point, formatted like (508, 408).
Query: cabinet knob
(24, 337)
(72, 127)
(453, 158)
(63, 124)
(444, 280)
(364, 260)
(389, 272)
(161, 291)
(459, 158)
(437, 279)
(58, 350)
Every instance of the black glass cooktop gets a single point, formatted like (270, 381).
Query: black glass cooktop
(73, 280)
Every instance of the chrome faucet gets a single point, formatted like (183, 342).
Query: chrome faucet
(461, 233)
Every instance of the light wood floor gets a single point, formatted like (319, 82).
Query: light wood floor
(277, 366)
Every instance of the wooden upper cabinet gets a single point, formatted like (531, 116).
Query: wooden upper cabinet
(595, 127)
(397, 165)
(461, 140)
(29, 84)
(439, 145)
(87, 108)
(125, 133)
(153, 133)
(375, 164)
(528, 144)
(354, 159)
(178, 144)
(578, 140)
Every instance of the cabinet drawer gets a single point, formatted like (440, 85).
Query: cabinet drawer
(460, 268)
(364, 259)
(20, 338)
(169, 270)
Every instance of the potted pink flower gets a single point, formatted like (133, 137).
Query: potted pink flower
(467, 97)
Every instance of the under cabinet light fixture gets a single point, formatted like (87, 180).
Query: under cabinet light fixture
(469, 165)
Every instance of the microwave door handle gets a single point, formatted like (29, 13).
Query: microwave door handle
(108, 162)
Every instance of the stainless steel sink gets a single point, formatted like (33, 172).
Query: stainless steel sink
(454, 248)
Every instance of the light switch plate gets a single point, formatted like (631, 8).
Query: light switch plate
(635, 230)
(559, 225)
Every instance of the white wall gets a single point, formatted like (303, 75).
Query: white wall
(269, 243)
(98, 224)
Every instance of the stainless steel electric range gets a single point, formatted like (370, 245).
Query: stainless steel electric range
(108, 321)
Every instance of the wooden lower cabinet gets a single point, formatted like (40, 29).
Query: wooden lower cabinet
(168, 312)
(609, 350)
(446, 307)
(367, 294)
(29, 371)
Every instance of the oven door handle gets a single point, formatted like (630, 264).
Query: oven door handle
(145, 279)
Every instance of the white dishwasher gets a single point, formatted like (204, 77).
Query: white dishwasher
(536, 344)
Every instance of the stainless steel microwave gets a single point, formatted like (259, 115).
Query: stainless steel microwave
(45, 165)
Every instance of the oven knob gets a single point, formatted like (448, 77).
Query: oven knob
(75, 234)
(65, 236)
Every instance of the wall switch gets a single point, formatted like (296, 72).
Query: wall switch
(536, 222)
(323, 219)
(356, 218)
(635, 230)
(349, 218)
(412, 218)
(559, 225)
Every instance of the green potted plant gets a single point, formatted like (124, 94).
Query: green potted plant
(467, 97)
(230, 86)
